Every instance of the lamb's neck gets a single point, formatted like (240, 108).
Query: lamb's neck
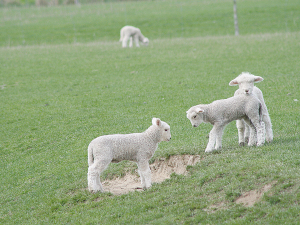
(141, 37)
(207, 114)
(152, 133)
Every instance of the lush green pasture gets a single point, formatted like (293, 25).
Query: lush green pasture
(55, 98)
(157, 19)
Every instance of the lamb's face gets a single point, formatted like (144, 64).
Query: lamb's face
(246, 86)
(195, 115)
(166, 132)
(146, 41)
(246, 82)
(164, 129)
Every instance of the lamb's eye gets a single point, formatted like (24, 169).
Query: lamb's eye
(166, 129)
(194, 117)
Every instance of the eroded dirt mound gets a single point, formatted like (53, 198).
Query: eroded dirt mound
(161, 170)
(251, 197)
(248, 199)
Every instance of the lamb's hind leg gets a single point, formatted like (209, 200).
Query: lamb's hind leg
(145, 174)
(94, 172)
(260, 128)
(257, 129)
(268, 126)
(252, 133)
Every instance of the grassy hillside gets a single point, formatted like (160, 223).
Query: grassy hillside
(55, 98)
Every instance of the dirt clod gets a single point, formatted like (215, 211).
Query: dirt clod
(161, 170)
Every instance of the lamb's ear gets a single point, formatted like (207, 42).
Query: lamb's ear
(233, 82)
(156, 121)
(258, 79)
(199, 110)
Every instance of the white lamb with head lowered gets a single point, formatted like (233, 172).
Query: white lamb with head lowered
(137, 147)
(246, 87)
(129, 33)
(221, 112)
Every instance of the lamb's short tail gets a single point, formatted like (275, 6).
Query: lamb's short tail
(90, 156)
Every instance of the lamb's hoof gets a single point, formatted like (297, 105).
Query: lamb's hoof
(146, 188)
(242, 144)
(269, 140)
(260, 144)
(96, 191)
(209, 150)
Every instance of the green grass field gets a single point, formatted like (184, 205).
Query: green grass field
(65, 80)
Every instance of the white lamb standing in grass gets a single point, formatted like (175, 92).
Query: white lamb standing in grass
(246, 87)
(137, 147)
(221, 112)
(129, 33)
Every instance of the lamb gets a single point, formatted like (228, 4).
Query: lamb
(129, 32)
(221, 112)
(137, 147)
(246, 86)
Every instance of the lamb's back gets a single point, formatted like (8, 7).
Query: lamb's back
(122, 146)
(229, 109)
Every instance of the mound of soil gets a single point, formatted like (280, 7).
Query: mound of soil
(251, 197)
(161, 170)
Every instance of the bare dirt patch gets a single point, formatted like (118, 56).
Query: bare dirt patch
(251, 197)
(161, 170)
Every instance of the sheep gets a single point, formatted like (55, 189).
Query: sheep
(246, 86)
(221, 112)
(137, 147)
(129, 32)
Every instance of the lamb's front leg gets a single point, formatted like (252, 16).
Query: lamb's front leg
(124, 41)
(219, 133)
(145, 173)
(212, 140)
(240, 125)
(130, 42)
(247, 133)
(136, 40)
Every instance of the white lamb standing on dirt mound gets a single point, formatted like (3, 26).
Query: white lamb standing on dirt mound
(221, 112)
(129, 33)
(246, 82)
(137, 147)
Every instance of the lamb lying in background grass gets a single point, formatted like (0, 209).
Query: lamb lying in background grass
(246, 87)
(137, 147)
(221, 112)
(129, 33)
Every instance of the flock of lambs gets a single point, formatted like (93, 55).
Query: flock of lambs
(247, 107)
